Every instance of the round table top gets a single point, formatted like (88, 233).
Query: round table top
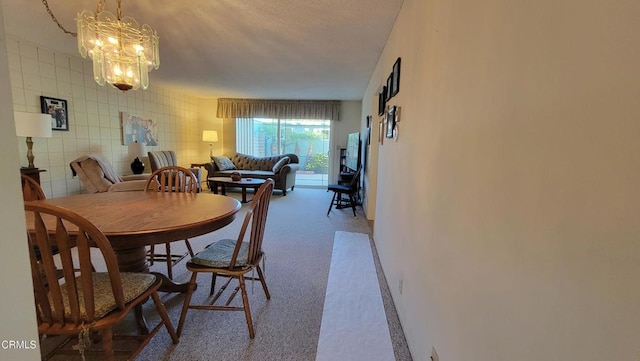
(132, 219)
(243, 181)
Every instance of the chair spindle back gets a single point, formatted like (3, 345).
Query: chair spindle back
(66, 229)
(172, 179)
(257, 217)
(31, 190)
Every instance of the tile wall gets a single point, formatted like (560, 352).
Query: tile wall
(94, 114)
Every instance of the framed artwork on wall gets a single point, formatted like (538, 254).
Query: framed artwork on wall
(381, 129)
(389, 85)
(369, 120)
(57, 108)
(395, 84)
(136, 129)
(391, 122)
(382, 100)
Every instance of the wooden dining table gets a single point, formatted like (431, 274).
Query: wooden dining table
(134, 220)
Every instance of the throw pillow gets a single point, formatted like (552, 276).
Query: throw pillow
(223, 162)
(281, 163)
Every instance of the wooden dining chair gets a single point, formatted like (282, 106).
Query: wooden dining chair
(233, 258)
(31, 190)
(171, 179)
(84, 303)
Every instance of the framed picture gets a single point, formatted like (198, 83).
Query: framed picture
(382, 100)
(57, 108)
(136, 129)
(389, 85)
(395, 84)
(391, 121)
(369, 120)
(381, 130)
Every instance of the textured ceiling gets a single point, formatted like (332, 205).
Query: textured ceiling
(278, 49)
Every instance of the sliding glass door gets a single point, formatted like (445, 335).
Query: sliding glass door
(308, 139)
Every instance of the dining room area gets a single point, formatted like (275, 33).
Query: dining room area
(296, 264)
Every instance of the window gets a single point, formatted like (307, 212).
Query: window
(308, 139)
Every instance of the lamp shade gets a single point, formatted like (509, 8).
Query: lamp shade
(33, 125)
(209, 136)
(137, 150)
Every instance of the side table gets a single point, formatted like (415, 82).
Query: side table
(33, 173)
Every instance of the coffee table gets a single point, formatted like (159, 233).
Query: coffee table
(243, 184)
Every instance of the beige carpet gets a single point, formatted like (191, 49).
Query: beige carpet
(298, 243)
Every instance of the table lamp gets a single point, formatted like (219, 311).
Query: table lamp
(137, 150)
(32, 125)
(210, 136)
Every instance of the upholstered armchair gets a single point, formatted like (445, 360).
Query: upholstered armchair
(168, 158)
(97, 175)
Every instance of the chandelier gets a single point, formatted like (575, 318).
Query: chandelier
(122, 52)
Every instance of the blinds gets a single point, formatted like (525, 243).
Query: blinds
(230, 108)
(244, 135)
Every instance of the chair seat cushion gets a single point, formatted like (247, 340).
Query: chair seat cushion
(338, 188)
(218, 254)
(133, 284)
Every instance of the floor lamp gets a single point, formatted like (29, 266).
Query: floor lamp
(32, 125)
(210, 136)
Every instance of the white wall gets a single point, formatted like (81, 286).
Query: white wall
(350, 119)
(207, 108)
(370, 170)
(510, 206)
(18, 311)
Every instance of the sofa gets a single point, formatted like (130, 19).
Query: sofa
(281, 168)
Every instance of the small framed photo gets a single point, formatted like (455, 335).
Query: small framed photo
(57, 108)
(391, 121)
(382, 100)
(395, 84)
(389, 85)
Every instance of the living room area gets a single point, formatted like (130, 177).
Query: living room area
(178, 120)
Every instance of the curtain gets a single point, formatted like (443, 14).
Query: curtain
(230, 108)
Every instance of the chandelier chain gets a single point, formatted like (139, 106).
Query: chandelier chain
(100, 8)
(55, 20)
(119, 9)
